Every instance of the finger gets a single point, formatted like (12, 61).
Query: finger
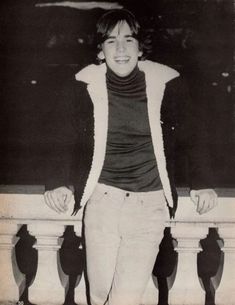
(212, 203)
(67, 198)
(59, 200)
(206, 206)
(47, 200)
(200, 205)
(54, 202)
(51, 200)
(204, 202)
(209, 204)
(194, 197)
(64, 203)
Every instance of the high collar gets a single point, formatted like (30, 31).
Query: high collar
(128, 87)
(125, 80)
(95, 74)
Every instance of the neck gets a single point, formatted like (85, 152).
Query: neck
(122, 79)
(130, 86)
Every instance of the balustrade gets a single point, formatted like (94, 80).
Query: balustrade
(50, 284)
(12, 281)
(50, 276)
(226, 292)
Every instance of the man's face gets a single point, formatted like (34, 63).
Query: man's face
(121, 50)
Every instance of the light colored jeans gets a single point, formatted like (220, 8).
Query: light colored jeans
(123, 231)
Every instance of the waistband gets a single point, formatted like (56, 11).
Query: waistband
(124, 193)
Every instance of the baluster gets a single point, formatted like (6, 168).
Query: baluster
(187, 289)
(225, 294)
(80, 290)
(12, 281)
(50, 284)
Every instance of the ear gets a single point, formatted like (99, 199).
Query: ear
(140, 53)
(100, 55)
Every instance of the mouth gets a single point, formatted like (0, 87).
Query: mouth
(122, 59)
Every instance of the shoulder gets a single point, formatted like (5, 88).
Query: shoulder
(92, 74)
(178, 86)
(158, 71)
(74, 85)
(72, 89)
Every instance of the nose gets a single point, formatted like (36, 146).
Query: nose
(120, 46)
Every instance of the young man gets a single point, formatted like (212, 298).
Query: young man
(125, 119)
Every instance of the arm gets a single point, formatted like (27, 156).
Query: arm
(198, 139)
(62, 138)
(192, 133)
(69, 124)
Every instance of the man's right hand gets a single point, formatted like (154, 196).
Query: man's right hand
(58, 199)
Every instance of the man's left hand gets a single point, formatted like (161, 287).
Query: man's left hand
(204, 199)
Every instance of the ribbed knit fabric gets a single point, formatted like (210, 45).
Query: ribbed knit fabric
(130, 162)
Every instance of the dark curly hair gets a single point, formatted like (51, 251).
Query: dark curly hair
(110, 19)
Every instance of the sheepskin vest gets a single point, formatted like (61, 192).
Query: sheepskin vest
(156, 76)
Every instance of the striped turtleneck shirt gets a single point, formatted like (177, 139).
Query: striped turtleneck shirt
(130, 162)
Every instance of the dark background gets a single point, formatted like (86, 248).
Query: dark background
(41, 47)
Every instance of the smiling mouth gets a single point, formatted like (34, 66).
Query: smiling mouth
(121, 60)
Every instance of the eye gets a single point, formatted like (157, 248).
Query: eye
(130, 39)
(110, 41)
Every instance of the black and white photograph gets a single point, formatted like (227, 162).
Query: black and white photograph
(117, 152)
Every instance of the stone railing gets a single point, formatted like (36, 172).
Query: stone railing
(24, 206)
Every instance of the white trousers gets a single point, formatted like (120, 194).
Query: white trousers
(123, 231)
